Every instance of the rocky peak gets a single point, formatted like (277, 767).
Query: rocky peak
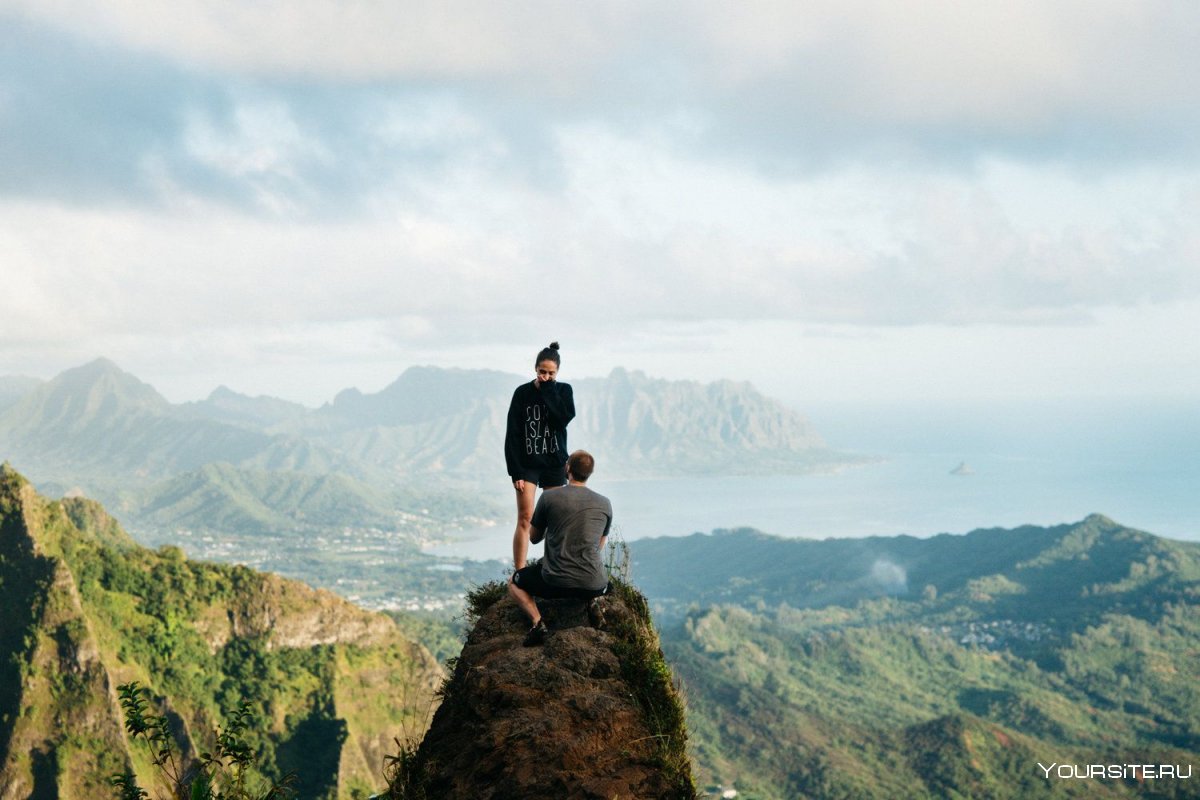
(102, 385)
(87, 399)
(591, 713)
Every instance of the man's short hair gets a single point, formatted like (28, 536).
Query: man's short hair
(581, 465)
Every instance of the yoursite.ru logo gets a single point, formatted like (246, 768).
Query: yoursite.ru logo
(1136, 772)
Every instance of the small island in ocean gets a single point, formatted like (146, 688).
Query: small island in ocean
(963, 468)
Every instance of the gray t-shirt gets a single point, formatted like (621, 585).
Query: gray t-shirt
(573, 519)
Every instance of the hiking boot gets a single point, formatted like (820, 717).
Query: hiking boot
(537, 634)
(595, 612)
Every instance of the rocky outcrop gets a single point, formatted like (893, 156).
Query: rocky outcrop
(591, 714)
(287, 614)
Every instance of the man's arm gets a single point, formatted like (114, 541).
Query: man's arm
(537, 522)
(607, 528)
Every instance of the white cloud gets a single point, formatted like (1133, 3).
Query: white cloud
(366, 39)
(371, 182)
(1024, 68)
(199, 297)
(636, 234)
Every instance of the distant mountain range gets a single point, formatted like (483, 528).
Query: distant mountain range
(894, 667)
(97, 422)
(1029, 570)
(260, 462)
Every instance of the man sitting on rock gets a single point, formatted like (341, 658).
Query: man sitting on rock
(574, 521)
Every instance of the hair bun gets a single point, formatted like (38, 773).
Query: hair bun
(554, 345)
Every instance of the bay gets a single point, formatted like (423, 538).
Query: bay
(1041, 463)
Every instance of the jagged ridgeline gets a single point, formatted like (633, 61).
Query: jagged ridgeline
(85, 609)
(102, 429)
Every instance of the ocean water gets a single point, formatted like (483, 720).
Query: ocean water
(1041, 463)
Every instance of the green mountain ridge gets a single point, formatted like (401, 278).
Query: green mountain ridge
(447, 418)
(810, 672)
(223, 497)
(1028, 571)
(87, 609)
(98, 425)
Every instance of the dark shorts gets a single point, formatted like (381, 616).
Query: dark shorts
(530, 579)
(546, 478)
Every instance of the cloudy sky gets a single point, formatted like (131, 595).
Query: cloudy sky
(831, 199)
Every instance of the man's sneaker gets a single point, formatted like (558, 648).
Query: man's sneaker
(537, 634)
(596, 612)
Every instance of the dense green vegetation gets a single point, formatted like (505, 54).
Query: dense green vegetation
(953, 672)
(221, 774)
(649, 677)
(148, 605)
(24, 579)
(786, 705)
(323, 678)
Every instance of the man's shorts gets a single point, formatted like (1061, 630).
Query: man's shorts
(530, 579)
(546, 478)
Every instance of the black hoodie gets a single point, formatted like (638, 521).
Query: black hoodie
(536, 437)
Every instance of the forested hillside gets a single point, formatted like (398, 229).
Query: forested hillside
(85, 609)
(950, 666)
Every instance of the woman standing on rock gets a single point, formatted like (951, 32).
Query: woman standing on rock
(535, 442)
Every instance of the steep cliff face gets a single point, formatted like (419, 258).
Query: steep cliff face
(54, 683)
(85, 609)
(592, 713)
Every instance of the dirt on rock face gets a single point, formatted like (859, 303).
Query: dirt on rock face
(558, 720)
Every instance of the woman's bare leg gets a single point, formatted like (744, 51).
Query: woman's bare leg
(526, 491)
